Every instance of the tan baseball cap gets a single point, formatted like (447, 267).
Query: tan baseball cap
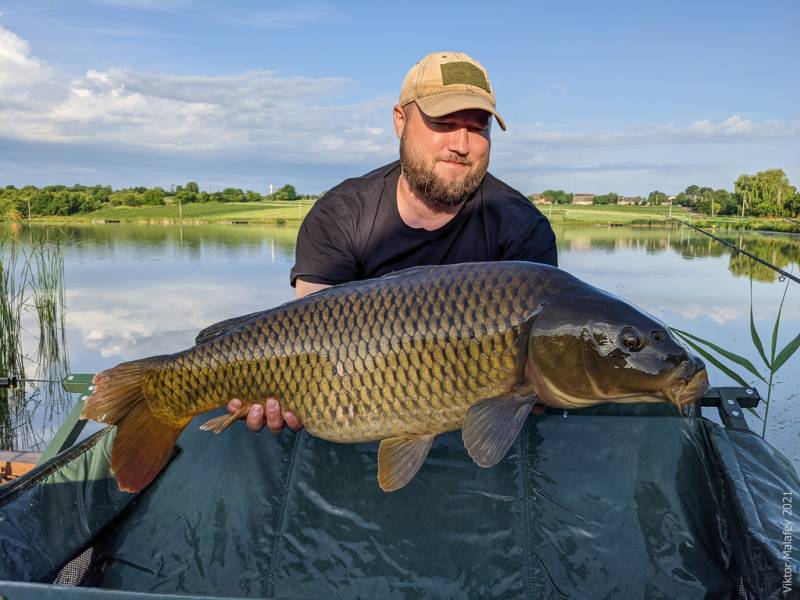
(445, 82)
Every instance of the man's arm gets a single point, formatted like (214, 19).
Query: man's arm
(304, 288)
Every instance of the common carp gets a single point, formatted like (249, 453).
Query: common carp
(401, 358)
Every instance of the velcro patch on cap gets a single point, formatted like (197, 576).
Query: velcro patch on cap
(464, 72)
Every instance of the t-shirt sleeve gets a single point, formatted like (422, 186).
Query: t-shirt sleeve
(530, 239)
(324, 252)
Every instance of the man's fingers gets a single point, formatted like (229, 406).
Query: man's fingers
(274, 418)
(292, 421)
(255, 418)
(538, 409)
(234, 405)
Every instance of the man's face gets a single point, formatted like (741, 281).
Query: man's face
(444, 159)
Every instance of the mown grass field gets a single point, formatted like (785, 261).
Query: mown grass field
(211, 212)
(609, 214)
(294, 212)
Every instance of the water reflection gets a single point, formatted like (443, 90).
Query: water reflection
(140, 290)
(782, 250)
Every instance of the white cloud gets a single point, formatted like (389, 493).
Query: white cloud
(302, 121)
(257, 111)
(18, 69)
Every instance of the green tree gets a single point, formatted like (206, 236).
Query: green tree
(153, 197)
(231, 195)
(287, 192)
(557, 196)
(657, 198)
(609, 198)
(767, 193)
(192, 187)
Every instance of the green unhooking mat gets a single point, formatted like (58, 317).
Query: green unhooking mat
(583, 506)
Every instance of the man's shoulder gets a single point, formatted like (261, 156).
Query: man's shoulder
(364, 186)
(501, 197)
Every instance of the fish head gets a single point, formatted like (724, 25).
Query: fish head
(590, 348)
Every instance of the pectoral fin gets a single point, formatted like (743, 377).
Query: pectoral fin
(492, 425)
(399, 459)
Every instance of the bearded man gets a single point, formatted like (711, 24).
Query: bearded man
(436, 205)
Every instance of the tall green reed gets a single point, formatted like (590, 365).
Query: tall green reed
(772, 361)
(14, 275)
(32, 281)
(49, 303)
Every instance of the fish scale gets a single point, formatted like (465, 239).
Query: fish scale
(402, 358)
(395, 351)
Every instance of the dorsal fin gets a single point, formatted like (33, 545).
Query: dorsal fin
(217, 329)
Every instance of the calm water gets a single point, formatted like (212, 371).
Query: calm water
(134, 291)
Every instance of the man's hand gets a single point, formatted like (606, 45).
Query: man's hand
(269, 413)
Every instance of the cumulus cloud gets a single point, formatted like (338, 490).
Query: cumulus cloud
(253, 111)
(19, 71)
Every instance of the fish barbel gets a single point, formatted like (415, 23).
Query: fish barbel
(400, 359)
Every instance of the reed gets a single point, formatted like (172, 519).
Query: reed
(32, 281)
(49, 302)
(14, 275)
(773, 361)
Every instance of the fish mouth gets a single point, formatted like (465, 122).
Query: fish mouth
(690, 384)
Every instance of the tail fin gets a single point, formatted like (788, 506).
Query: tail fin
(143, 443)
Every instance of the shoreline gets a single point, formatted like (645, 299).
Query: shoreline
(292, 214)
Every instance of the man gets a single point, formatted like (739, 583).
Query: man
(436, 205)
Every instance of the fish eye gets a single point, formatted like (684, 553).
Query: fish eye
(658, 335)
(631, 339)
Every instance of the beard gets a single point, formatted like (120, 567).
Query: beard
(436, 193)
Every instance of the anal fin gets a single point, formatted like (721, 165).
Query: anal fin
(399, 459)
(492, 425)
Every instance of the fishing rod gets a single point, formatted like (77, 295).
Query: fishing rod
(783, 274)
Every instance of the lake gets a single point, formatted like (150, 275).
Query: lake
(137, 290)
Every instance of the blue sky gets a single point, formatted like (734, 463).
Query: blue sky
(598, 96)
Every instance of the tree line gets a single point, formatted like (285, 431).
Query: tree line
(764, 194)
(61, 200)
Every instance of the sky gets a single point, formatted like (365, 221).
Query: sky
(628, 97)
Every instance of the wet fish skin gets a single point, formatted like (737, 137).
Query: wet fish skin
(401, 358)
(403, 354)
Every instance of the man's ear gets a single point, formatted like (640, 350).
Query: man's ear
(400, 119)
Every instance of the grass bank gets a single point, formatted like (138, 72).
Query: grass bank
(655, 215)
(279, 213)
(210, 212)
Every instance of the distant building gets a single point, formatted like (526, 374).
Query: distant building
(582, 198)
(538, 199)
(629, 200)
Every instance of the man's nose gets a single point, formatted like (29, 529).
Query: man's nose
(459, 141)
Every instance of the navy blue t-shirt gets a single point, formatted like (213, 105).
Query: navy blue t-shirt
(355, 231)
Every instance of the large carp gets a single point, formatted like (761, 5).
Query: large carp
(401, 358)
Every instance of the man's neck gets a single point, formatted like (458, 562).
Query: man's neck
(415, 213)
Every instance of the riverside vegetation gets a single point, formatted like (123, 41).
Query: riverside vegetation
(763, 201)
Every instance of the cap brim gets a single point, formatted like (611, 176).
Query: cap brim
(438, 105)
